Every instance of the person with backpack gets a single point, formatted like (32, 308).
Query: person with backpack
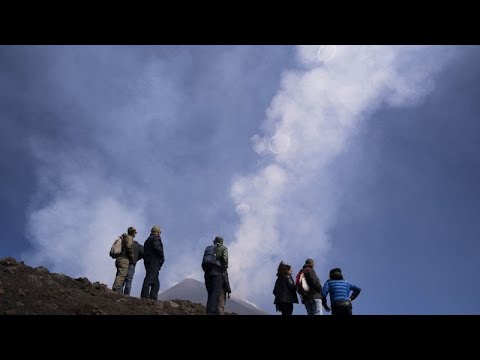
(339, 289)
(137, 255)
(285, 290)
(153, 259)
(312, 298)
(123, 260)
(214, 264)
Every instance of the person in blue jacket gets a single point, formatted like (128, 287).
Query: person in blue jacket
(340, 289)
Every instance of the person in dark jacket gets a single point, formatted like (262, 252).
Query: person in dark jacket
(285, 290)
(313, 300)
(137, 255)
(123, 260)
(339, 289)
(214, 275)
(153, 259)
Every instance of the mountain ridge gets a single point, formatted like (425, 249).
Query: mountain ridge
(25, 290)
(195, 291)
(36, 291)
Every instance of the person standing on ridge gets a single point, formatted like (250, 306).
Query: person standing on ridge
(123, 260)
(222, 297)
(214, 264)
(339, 289)
(153, 259)
(285, 290)
(137, 255)
(313, 299)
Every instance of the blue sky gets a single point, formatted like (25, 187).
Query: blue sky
(361, 157)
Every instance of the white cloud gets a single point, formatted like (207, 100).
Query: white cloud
(80, 207)
(292, 197)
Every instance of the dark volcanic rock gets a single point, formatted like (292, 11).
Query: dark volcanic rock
(36, 291)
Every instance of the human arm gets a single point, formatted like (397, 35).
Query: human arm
(223, 257)
(129, 247)
(355, 291)
(290, 283)
(140, 252)
(313, 280)
(226, 283)
(158, 248)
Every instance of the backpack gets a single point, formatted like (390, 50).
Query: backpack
(210, 257)
(116, 248)
(302, 286)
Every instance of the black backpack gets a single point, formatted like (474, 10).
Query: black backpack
(210, 257)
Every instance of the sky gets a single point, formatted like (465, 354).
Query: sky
(365, 158)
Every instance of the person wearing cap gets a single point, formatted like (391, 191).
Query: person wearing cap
(313, 299)
(339, 289)
(122, 262)
(214, 276)
(153, 259)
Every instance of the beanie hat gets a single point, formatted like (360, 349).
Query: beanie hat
(309, 262)
(334, 270)
(155, 229)
(218, 239)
